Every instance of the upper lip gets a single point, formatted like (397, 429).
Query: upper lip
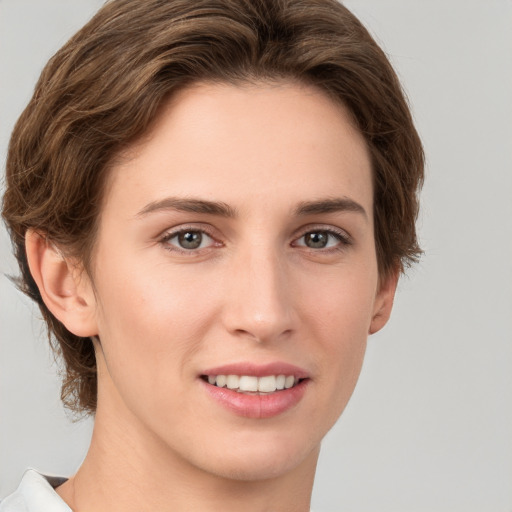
(258, 370)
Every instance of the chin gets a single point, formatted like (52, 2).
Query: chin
(259, 460)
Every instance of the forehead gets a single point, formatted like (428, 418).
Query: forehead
(282, 141)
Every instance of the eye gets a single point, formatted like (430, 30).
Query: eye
(323, 239)
(188, 239)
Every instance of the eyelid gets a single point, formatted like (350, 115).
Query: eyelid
(345, 239)
(342, 235)
(170, 233)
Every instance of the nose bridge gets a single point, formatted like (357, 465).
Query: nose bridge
(259, 304)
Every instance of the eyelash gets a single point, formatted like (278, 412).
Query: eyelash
(341, 236)
(167, 237)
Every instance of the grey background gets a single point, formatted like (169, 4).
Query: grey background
(429, 427)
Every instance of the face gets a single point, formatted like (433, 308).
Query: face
(235, 277)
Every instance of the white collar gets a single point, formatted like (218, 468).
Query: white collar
(36, 493)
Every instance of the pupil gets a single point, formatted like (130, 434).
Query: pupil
(190, 239)
(316, 240)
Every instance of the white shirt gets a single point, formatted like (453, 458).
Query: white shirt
(36, 493)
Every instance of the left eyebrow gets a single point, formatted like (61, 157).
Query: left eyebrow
(330, 205)
(190, 205)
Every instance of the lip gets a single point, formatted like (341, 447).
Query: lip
(254, 405)
(258, 370)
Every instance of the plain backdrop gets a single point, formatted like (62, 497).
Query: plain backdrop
(429, 427)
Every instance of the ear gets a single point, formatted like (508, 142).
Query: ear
(384, 301)
(64, 287)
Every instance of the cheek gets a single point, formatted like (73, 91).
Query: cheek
(148, 320)
(338, 316)
(340, 303)
(145, 293)
(341, 333)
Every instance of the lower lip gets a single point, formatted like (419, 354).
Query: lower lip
(257, 406)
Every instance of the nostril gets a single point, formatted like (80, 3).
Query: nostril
(263, 334)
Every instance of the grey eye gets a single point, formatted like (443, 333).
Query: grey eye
(322, 239)
(316, 239)
(190, 239)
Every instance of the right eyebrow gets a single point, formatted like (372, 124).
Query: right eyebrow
(190, 205)
(330, 205)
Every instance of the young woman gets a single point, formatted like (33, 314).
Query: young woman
(211, 202)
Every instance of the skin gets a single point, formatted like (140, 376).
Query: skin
(253, 291)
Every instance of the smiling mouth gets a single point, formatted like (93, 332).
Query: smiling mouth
(250, 384)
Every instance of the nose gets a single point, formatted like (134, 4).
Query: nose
(258, 304)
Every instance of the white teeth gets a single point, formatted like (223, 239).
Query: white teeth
(280, 380)
(289, 382)
(232, 381)
(252, 384)
(248, 383)
(267, 384)
(220, 381)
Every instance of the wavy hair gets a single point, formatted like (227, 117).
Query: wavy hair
(104, 87)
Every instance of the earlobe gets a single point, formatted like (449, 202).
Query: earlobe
(65, 291)
(384, 302)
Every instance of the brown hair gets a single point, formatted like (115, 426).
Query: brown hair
(104, 87)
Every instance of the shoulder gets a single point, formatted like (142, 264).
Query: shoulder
(36, 493)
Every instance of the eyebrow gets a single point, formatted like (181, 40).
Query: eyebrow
(221, 209)
(189, 205)
(330, 205)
